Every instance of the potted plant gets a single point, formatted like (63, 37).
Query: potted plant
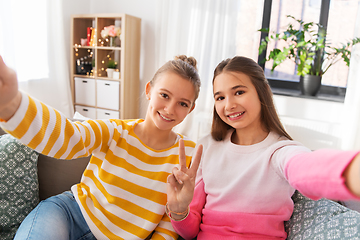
(111, 66)
(306, 45)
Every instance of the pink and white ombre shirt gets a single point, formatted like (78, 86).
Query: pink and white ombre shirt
(244, 192)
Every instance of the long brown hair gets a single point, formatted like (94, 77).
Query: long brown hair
(183, 66)
(269, 117)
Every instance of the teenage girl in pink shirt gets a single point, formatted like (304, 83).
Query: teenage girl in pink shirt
(250, 167)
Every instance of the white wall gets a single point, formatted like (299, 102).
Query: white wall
(313, 122)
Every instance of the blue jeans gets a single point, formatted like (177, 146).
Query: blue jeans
(58, 217)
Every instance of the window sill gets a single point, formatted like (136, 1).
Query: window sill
(291, 89)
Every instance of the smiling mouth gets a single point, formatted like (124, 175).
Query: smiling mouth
(165, 118)
(235, 116)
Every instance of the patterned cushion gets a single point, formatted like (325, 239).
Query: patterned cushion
(19, 191)
(322, 219)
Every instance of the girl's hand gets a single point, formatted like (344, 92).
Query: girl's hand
(10, 97)
(181, 183)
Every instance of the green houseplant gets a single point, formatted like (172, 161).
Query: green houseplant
(111, 66)
(306, 45)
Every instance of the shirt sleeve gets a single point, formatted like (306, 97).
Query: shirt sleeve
(319, 174)
(49, 132)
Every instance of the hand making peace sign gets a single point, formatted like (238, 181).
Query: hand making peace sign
(181, 183)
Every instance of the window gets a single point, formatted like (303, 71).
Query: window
(23, 38)
(340, 28)
(338, 16)
(278, 22)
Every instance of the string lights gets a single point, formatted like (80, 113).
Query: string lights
(86, 64)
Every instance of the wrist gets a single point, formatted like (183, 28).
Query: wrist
(9, 109)
(176, 216)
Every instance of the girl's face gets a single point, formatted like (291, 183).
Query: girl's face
(171, 99)
(236, 101)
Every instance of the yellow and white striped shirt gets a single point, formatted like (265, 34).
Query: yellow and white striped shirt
(122, 192)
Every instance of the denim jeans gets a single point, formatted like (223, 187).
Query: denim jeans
(58, 217)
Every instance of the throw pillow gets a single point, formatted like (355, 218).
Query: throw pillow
(19, 190)
(322, 219)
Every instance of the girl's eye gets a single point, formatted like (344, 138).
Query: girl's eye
(219, 98)
(183, 104)
(164, 95)
(239, 92)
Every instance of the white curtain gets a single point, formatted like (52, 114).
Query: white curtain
(32, 42)
(351, 123)
(204, 29)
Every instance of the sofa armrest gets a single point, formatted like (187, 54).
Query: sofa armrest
(57, 175)
(2, 131)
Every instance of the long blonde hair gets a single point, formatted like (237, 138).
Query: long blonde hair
(269, 117)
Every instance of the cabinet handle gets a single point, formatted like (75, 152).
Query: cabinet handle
(107, 113)
(85, 110)
(84, 81)
(107, 84)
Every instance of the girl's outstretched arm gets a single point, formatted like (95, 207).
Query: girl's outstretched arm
(352, 175)
(325, 173)
(181, 184)
(10, 97)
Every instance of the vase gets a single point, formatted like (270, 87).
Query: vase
(112, 41)
(310, 85)
(110, 72)
(116, 75)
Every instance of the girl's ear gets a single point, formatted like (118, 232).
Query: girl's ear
(148, 90)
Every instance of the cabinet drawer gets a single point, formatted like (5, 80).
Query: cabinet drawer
(108, 94)
(88, 112)
(85, 91)
(106, 114)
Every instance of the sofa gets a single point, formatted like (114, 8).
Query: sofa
(322, 219)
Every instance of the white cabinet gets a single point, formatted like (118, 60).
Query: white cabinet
(107, 94)
(98, 113)
(106, 114)
(85, 91)
(88, 112)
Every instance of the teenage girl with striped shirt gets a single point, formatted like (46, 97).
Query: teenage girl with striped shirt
(122, 192)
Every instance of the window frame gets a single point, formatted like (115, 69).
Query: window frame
(290, 88)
